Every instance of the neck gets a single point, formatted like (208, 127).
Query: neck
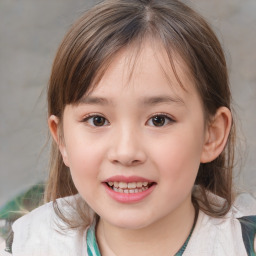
(164, 237)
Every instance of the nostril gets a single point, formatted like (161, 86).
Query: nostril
(126, 161)
(136, 161)
(126, 155)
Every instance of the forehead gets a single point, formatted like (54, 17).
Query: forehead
(147, 67)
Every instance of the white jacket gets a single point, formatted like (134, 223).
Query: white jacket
(35, 234)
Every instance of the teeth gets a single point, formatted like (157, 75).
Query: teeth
(139, 184)
(131, 187)
(123, 185)
(129, 191)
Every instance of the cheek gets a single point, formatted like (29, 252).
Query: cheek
(84, 157)
(84, 168)
(178, 157)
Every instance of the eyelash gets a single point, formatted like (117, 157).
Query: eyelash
(91, 116)
(167, 119)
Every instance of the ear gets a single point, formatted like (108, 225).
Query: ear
(217, 132)
(54, 126)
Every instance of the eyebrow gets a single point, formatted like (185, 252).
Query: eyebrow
(155, 100)
(162, 99)
(89, 100)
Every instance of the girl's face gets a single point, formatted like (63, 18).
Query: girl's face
(135, 142)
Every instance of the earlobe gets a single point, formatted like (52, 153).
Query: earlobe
(53, 123)
(217, 135)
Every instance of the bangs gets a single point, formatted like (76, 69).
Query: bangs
(168, 60)
(96, 39)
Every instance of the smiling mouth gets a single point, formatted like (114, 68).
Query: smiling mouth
(129, 188)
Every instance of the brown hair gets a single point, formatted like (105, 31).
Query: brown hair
(94, 40)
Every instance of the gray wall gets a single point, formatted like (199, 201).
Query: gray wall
(30, 32)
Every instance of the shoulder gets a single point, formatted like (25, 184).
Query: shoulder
(43, 231)
(232, 234)
(245, 212)
(245, 204)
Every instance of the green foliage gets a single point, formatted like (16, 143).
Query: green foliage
(20, 205)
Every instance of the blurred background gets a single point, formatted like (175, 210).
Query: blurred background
(30, 32)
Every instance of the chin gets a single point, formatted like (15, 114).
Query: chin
(131, 223)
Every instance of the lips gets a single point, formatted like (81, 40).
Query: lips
(129, 189)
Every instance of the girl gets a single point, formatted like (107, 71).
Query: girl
(143, 149)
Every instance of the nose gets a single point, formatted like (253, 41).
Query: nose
(127, 148)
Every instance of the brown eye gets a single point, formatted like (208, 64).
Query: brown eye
(160, 120)
(96, 120)
(99, 120)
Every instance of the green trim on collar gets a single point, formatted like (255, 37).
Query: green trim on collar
(92, 245)
(93, 249)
